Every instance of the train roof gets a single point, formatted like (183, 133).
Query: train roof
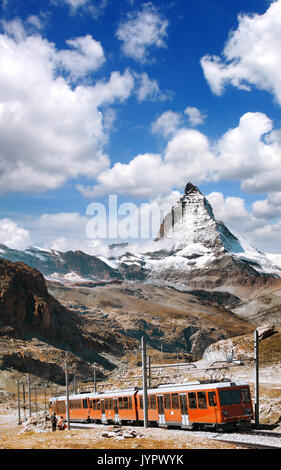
(160, 389)
(192, 386)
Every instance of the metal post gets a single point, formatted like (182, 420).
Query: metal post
(149, 370)
(36, 408)
(95, 380)
(67, 397)
(144, 379)
(256, 342)
(19, 420)
(23, 395)
(29, 395)
(45, 398)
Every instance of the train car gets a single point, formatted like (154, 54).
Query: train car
(220, 406)
(118, 406)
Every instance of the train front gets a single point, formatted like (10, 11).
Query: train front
(235, 406)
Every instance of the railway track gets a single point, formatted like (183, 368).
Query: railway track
(254, 439)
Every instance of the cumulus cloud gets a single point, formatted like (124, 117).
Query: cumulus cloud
(52, 128)
(268, 208)
(249, 153)
(147, 88)
(229, 209)
(187, 156)
(251, 56)
(141, 31)
(12, 235)
(86, 55)
(166, 124)
(195, 116)
(94, 9)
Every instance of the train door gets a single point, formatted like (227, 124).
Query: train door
(184, 410)
(103, 417)
(116, 411)
(161, 414)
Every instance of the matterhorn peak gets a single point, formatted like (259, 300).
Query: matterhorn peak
(191, 188)
(191, 223)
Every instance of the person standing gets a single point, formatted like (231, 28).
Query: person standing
(54, 422)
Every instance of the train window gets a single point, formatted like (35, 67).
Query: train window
(202, 401)
(85, 403)
(192, 400)
(120, 401)
(245, 395)
(230, 397)
(167, 401)
(126, 403)
(61, 406)
(153, 402)
(106, 403)
(175, 401)
(141, 402)
(212, 398)
(130, 403)
(111, 403)
(98, 404)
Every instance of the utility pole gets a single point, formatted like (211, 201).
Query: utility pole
(36, 408)
(67, 396)
(256, 343)
(45, 398)
(23, 395)
(144, 380)
(149, 370)
(29, 394)
(19, 420)
(95, 380)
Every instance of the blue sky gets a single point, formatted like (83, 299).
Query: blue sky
(136, 98)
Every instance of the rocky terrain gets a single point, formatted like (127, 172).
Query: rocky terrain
(37, 332)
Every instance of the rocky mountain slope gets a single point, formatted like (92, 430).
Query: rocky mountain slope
(36, 331)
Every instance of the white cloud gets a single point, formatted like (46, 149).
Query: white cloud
(141, 31)
(195, 117)
(86, 56)
(94, 9)
(187, 156)
(249, 153)
(268, 237)
(52, 129)
(166, 124)
(268, 208)
(231, 210)
(242, 152)
(147, 88)
(12, 235)
(251, 57)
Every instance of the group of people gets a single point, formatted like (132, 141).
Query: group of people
(57, 421)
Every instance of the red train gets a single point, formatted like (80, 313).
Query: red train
(220, 406)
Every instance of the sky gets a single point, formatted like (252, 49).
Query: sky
(127, 101)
